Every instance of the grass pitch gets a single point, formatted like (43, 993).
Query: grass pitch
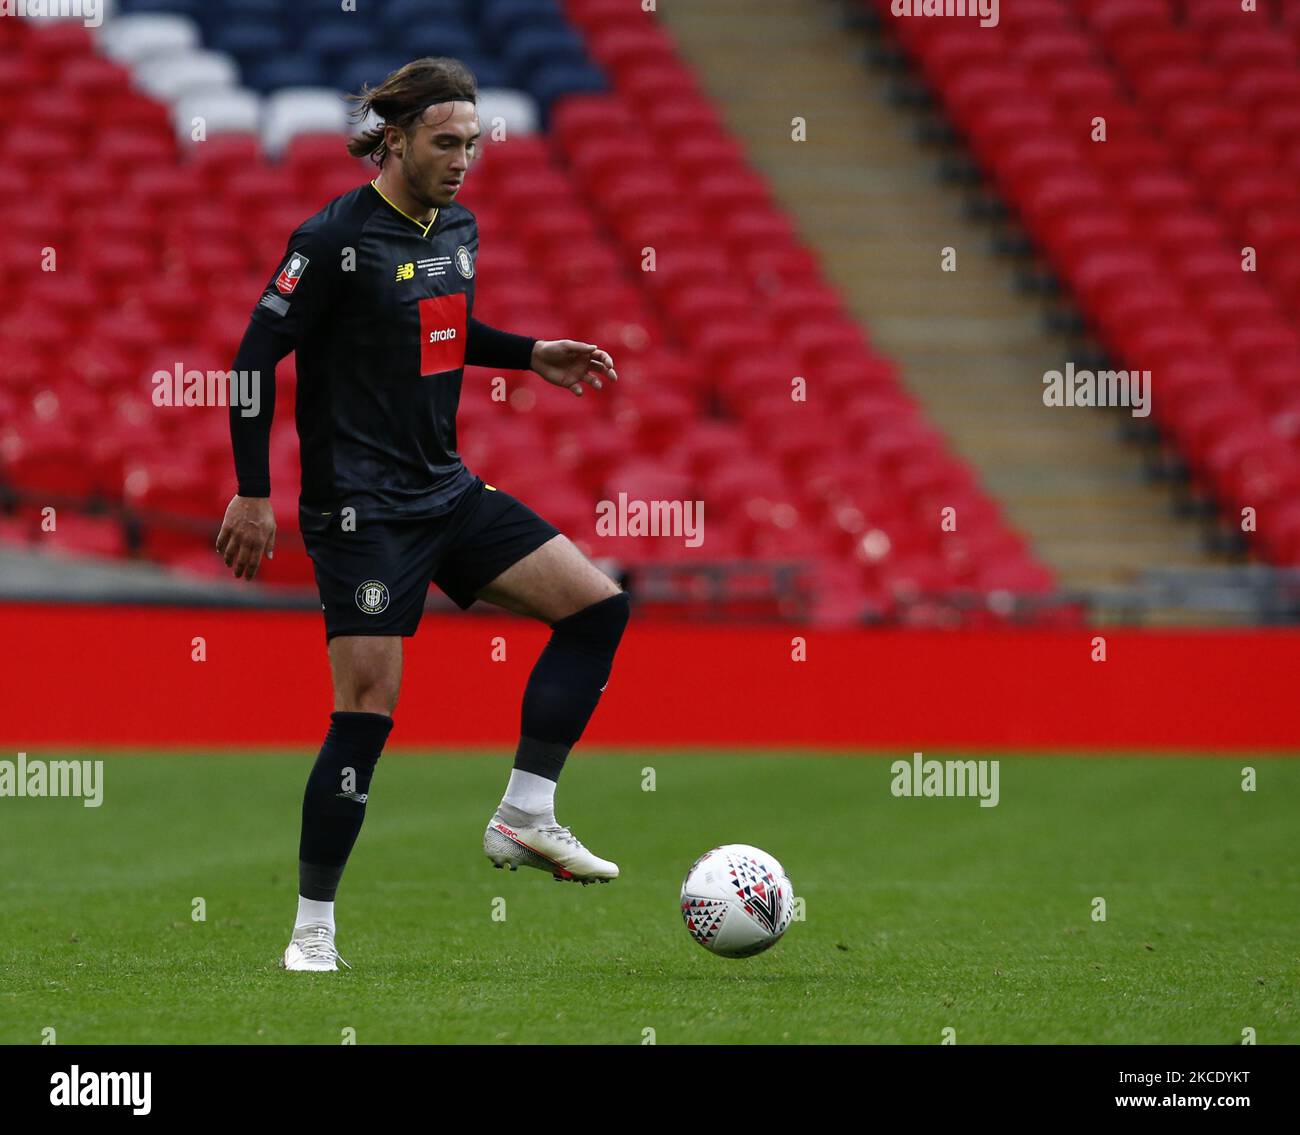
(921, 914)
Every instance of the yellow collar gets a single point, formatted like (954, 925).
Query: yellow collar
(424, 229)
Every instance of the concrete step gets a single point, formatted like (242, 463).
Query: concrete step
(865, 193)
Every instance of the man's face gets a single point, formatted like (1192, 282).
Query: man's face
(437, 152)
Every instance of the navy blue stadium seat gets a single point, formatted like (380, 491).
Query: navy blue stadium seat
(527, 44)
(217, 15)
(402, 15)
(191, 8)
(249, 41)
(431, 38)
(487, 71)
(371, 68)
(307, 14)
(552, 82)
(500, 17)
(285, 71)
(530, 48)
(337, 41)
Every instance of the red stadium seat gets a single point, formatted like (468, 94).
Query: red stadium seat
(170, 274)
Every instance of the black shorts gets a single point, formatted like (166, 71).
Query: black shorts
(373, 581)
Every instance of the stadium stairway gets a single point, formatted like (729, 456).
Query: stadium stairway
(864, 191)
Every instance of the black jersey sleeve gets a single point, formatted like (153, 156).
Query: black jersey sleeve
(490, 347)
(250, 436)
(301, 290)
(297, 296)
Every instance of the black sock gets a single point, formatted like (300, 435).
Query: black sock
(566, 682)
(334, 804)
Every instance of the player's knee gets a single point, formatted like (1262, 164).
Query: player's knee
(598, 627)
(367, 693)
(367, 674)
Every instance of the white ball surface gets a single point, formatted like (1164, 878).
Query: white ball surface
(737, 900)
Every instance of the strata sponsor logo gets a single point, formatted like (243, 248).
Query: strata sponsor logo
(986, 10)
(1105, 388)
(624, 517)
(443, 320)
(920, 777)
(53, 778)
(76, 1088)
(181, 387)
(89, 12)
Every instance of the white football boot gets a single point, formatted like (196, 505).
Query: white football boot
(548, 847)
(312, 949)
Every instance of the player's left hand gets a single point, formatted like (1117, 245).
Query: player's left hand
(569, 364)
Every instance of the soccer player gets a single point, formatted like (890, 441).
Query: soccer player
(375, 294)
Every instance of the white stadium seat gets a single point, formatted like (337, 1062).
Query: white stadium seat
(517, 110)
(301, 110)
(223, 110)
(135, 38)
(190, 72)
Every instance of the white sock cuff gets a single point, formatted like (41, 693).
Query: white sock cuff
(529, 792)
(313, 912)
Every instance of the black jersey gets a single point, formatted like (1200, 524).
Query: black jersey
(378, 306)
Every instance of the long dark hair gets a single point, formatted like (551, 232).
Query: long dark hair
(402, 97)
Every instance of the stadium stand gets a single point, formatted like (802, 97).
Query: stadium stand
(164, 233)
(1149, 229)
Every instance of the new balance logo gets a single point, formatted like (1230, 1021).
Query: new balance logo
(359, 797)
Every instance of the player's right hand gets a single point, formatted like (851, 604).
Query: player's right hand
(247, 532)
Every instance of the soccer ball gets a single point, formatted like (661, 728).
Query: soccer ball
(737, 900)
